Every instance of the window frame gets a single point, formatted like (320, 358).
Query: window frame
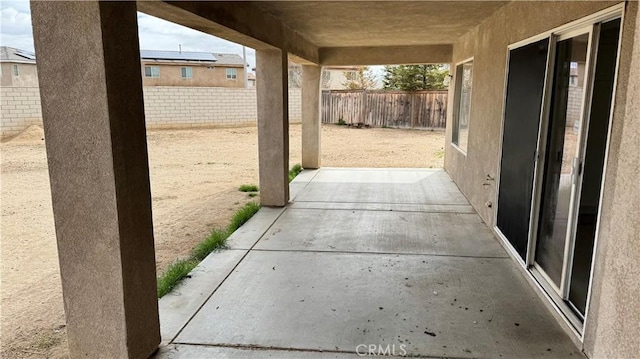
(16, 70)
(186, 72)
(232, 73)
(151, 74)
(455, 135)
(575, 325)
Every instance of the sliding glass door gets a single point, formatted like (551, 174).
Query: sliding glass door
(594, 154)
(561, 163)
(558, 103)
(523, 106)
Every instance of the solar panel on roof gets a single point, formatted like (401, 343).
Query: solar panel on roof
(26, 55)
(173, 55)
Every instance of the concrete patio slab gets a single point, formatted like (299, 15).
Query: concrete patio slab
(382, 232)
(378, 175)
(381, 186)
(295, 188)
(247, 235)
(178, 351)
(436, 306)
(300, 182)
(394, 260)
(306, 176)
(177, 307)
(399, 207)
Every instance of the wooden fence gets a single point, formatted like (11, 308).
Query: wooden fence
(380, 108)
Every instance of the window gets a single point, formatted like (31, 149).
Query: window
(464, 79)
(16, 70)
(573, 80)
(232, 74)
(187, 73)
(152, 71)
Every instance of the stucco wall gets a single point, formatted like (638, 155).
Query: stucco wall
(171, 75)
(28, 75)
(488, 43)
(165, 107)
(613, 324)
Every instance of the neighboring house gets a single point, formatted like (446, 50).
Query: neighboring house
(183, 68)
(333, 77)
(251, 79)
(159, 68)
(17, 67)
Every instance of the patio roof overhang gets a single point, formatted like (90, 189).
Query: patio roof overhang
(94, 121)
(335, 32)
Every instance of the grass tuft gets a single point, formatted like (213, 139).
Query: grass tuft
(248, 188)
(174, 274)
(217, 239)
(243, 215)
(294, 171)
(46, 341)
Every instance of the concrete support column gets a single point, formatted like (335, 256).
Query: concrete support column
(93, 115)
(311, 118)
(273, 126)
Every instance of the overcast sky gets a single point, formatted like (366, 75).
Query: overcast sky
(154, 33)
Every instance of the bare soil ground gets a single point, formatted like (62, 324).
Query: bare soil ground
(195, 175)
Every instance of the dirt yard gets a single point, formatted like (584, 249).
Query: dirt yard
(195, 175)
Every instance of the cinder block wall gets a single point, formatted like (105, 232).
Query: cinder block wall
(574, 105)
(165, 107)
(19, 108)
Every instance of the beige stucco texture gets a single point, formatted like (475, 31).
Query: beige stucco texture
(27, 75)
(202, 75)
(93, 117)
(324, 32)
(326, 23)
(487, 44)
(612, 327)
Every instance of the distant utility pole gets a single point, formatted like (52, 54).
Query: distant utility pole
(246, 68)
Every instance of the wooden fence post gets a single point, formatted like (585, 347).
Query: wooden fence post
(414, 110)
(363, 102)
